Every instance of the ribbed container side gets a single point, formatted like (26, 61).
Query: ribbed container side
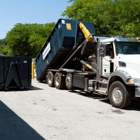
(58, 45)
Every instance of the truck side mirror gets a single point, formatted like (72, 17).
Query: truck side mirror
(102, 50)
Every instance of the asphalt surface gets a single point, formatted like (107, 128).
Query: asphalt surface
(46, 113)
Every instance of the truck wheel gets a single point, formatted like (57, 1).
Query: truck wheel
(58, 81)
(50, 79)
(68, 81)
(46, 79)
(119, 96)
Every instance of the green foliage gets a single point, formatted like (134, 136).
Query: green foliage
(27, 39)
(2, 42)
(4, 49)
(110, 17)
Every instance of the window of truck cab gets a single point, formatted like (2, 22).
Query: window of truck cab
(127, 48)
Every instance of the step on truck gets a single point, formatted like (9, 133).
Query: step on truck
(75, 57)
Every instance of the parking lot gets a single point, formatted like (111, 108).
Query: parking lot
(46, 113)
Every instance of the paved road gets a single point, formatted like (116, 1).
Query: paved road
(47, 113)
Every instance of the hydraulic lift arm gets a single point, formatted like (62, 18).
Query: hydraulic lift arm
(85, 31)
(87, 65)
(88, 37)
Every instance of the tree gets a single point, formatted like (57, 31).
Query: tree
(4, 49)
(27, 39)
(109, 16)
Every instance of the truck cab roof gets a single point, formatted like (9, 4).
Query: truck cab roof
(117, 39)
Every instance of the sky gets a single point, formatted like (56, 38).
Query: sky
(29, 11)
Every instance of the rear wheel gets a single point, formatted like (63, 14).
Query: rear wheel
(50, 79)
(119, 96)
(68, 81)
(58, 81)
(46, 79)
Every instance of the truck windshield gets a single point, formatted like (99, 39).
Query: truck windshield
(127, 48)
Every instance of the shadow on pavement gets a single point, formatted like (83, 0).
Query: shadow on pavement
(135, 104)
(88, 94)
(25, 89)
(33, 88)
(12, 127)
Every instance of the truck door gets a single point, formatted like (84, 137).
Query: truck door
(107, 65)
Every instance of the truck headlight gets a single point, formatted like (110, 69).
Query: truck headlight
(134, 81)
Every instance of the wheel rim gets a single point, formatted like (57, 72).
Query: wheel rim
(117, 95)
(68, 81)
(50, 78)
(57, 80)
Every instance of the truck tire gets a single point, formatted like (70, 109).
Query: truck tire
(50, 79)
(46, 79)
(68, 81)
(58, 81)
(119, 96)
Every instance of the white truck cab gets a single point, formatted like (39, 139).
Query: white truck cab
(121, 65)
